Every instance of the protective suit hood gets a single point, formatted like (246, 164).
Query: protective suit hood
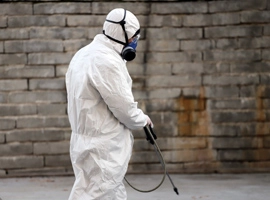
(115, 30)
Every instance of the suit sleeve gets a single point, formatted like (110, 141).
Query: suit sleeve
(112, 85)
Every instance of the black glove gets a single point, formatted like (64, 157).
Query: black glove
(148, 132)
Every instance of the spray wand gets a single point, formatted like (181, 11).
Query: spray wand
(151, 138)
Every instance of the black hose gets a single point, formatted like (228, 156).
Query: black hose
(151, 138)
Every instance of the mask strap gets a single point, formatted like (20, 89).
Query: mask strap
(137, 33)
(122, 23)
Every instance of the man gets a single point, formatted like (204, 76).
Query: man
(102, 110)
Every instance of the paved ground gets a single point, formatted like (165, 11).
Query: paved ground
(191, 187)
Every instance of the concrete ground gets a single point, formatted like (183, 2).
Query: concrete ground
(190, 187)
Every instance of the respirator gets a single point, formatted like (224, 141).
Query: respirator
(129, 51)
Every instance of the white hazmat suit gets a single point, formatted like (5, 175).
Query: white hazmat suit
(102, 110)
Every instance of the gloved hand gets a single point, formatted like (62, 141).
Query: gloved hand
(149, 122)
(150, 135)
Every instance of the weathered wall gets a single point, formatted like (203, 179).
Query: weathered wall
(202, 73)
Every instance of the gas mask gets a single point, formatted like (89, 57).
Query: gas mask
(129, 51)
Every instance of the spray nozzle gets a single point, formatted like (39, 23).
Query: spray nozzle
(176, 190)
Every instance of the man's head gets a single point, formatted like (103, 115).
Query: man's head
(122, 27)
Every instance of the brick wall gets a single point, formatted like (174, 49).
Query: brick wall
(202, 73)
